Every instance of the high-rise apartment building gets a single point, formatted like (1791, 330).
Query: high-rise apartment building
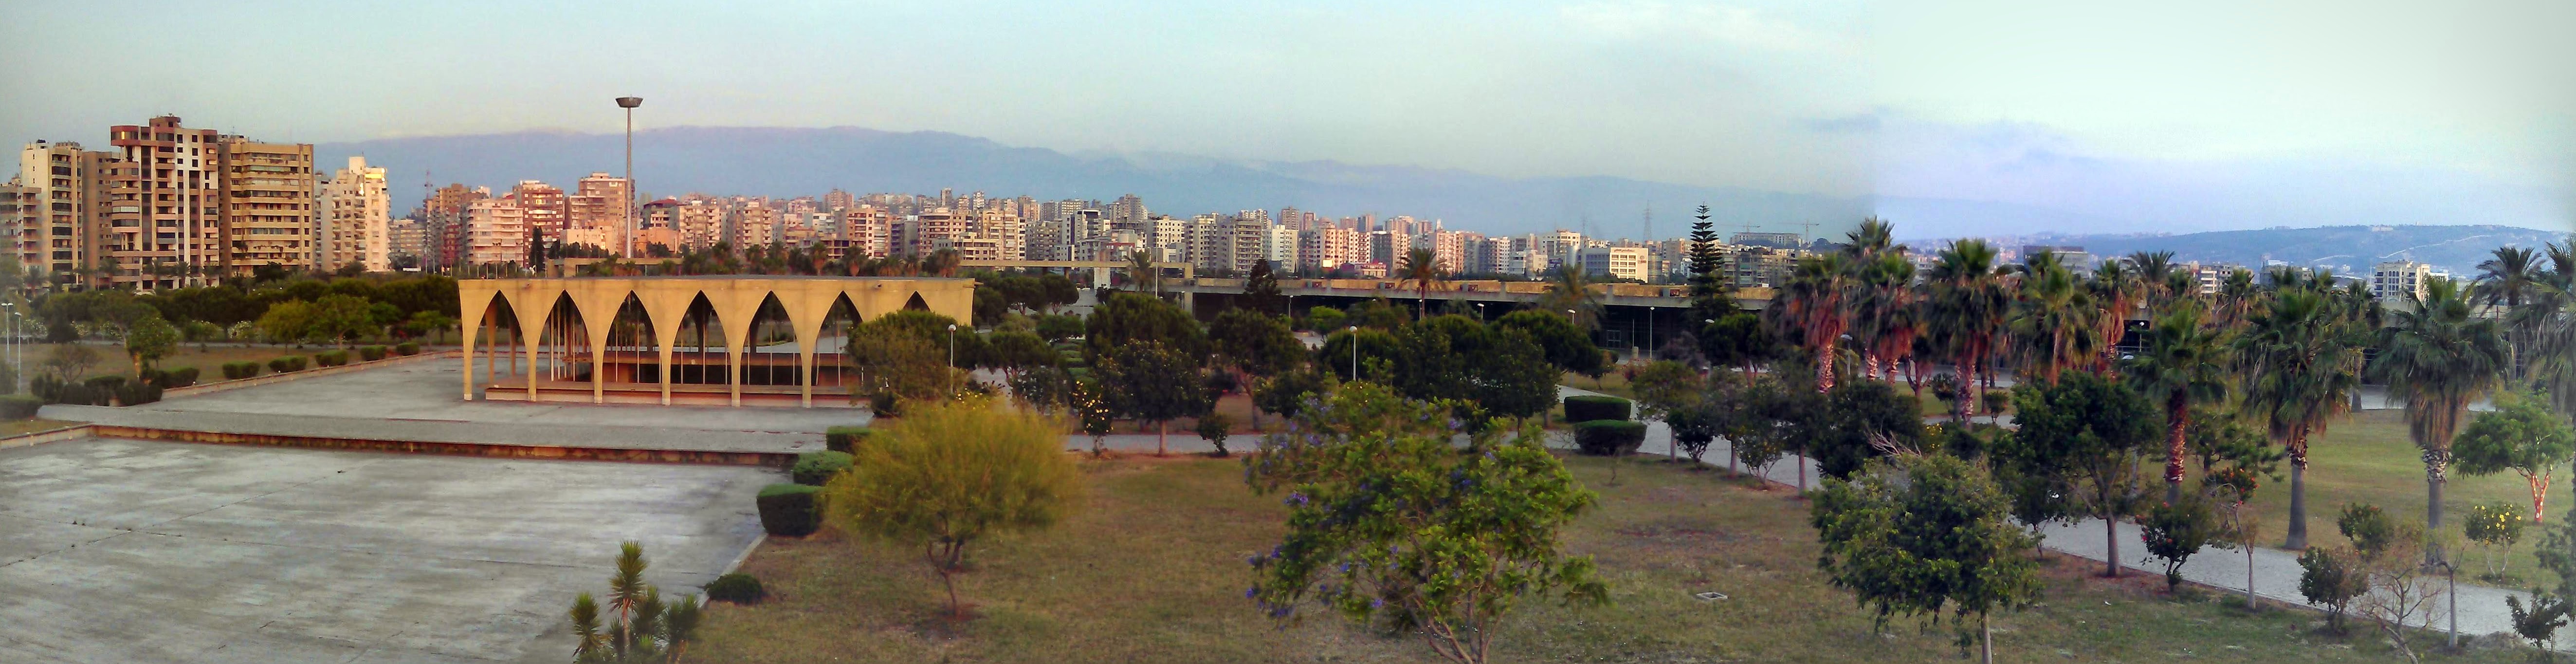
(406, 243)
(267, 206)
(598, 212)
(546, 210)
(158, 210)
(1615, 262)
(442, 216)
(54, 235)
(353, 207)
(497, 231)
(2401, 280)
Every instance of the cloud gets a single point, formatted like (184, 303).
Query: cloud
(1858, 123)
(1737, 26)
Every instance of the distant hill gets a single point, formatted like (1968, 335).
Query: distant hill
(2345, 249)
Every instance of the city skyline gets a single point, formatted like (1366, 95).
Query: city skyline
(2368, 115)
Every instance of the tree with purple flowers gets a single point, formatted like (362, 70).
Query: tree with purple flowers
(1394, 525)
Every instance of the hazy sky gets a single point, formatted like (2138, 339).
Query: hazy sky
(2185, 115)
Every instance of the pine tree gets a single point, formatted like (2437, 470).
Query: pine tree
(1709, 297)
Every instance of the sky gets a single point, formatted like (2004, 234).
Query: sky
(2182, 115)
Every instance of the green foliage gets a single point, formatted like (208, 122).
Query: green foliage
(407, 348)
(1152, 382)
(2175, 531)
(148, 339)
(183, 377)
(1019, 351)
(1760, 423)
(2493, 526)
(1609, 437)
(736, 587)
(371, 353)
(331, 358)
(2331, 577)
(1921, 535)
(1565, 345)
(1697, 425)
(1286, 394)
(815, 468)
(1455, 358)
(1129, 318)
(1377, 354)
(951, 474)
(644, 628)
(1391, 525)
(845, 439)
(291, 363)
(240, 370)
(1325, 319)
(19, 406)
(2078, 436)
(1213, 427)
(1377, 314)
(1859, 420)
(1255, 343)
(904, 354)
(2524, 435)
(1588, 407)
(135, 393)
(1059, 327)
(789, 510)
(1737, 339)
(2369, 528)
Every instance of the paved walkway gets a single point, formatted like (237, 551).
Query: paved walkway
(2276, 572)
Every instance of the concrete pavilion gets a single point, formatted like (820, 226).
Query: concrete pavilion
(698, 340)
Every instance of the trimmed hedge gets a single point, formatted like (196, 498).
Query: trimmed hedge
(19, 406)
(331, 358)
(288, 364)
(737, 587)
(815, 468)
(371, 353)
(407, 348)
(1608, 437)
(240, 370)
(137, 393)
(790, 510)
(845, 440)
(1586, 408)
(170, 379)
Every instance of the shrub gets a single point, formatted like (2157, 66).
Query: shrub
(2369, 528)
(815, 468)
(1213, 427)
(788, 510)
(331, 358)
(2174, 531)
(953, 474)
(287, 364)
(169, 379)
(240, 370)
(137, 393)
(19, 406)
(737, 587)
(845, 440)
(106, 384)
(1586, 408)
(371, 353)
(2492, 526)
(883, 404)
(407, 348)
(1608, 437)
(2330, 577)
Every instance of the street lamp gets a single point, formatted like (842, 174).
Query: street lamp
(1355, 352)
(629, 103)
(952, 359)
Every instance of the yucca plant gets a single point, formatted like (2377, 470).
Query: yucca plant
(644, 629)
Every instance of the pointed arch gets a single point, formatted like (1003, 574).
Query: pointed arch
(831, 361)
(631, 354)
(915, 304)
(770, 352)
(700, 355)
(489, 327)
(564, 345)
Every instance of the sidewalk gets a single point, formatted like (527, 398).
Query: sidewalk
(2276, 572)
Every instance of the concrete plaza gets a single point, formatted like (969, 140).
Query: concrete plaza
(135, 551)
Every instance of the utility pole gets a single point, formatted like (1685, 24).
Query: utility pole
(629, 103)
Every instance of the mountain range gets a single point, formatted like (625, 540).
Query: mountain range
(2343, 249)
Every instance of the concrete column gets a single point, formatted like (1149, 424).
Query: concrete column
(664, 350)
(532, 358)
(733, 369)
(806, 360)
(467, 331)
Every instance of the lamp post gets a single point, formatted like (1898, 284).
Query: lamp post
(16, 365)
(629, 103)
(952, 359)
(1355, 352)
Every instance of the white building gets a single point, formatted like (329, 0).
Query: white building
(355, 218)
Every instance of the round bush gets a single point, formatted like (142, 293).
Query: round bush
(789, 510)
(737, 587)
(19, 406)
(287, 364)
(1586, 408)
(1608, 437)
(815, 468)
(371, 353)
(331, 358)
(845, 440)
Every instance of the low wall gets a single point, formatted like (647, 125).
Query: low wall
(547, 452)
(54, 435)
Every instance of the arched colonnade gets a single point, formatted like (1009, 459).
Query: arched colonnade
(575, 324)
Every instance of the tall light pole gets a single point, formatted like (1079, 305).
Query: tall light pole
(629, 103)
(952, 359)
(1355, 353)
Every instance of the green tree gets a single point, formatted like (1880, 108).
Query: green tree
(1152, 382)
(2184, 363)
(1261, 289)
(1129, 318)
(1423, 268)
(1390, 526)
(904, 354)
(2494, 526)
(339, 318)
(2176, 529)
(1324, 319)
(1964, 314)
(1213, 427)
(1255, 343)
(287, 322)
(2522, 435)
(148, 340)
(2093, 425)
(2438, 355)
(1568, 289)
(1285, 395)
(2330, 577)
(1017, 352)
(1924, 535)
(645, 629)
(1665, 388)
(951, 474)
(1811, 306)
(1737, 339)
(1857, 421)
(1565, 344)
(1375, 348)
(1058, 327)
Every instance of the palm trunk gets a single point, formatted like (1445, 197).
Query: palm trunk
(2177, 419)
(1825, 367)
(2298, 527)
(2436, 465)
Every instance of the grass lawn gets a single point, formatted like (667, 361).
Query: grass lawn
(31, 425)
(1152, 570)
(208, 361)
(2366, 456)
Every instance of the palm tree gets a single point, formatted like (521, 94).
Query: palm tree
(2301, 356)
(1884, 312)
(2237, 297)
(2155, 273)
(1568, 290)
(1964, 314)
(1141, 271)
(2438, 355)
(2185, 363)
(2509, 279)
(1812, 301)
(2549, 320)
(1422, 267)
(2116, 290)
(2051, 319)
